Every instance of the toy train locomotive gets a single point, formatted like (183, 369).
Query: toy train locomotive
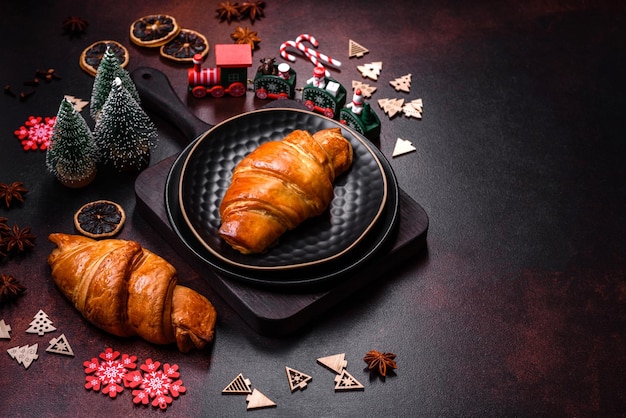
(321, 94)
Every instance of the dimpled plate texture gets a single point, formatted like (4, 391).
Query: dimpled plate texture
(314, 277)
(360, 194)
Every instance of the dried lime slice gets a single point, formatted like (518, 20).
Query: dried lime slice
(92, 55)
(153, 30)
(99, 219)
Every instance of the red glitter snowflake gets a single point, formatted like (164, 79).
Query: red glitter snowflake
(158, 385)
(108, 373)
(36, 132)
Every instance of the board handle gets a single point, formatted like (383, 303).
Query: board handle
(158, 96)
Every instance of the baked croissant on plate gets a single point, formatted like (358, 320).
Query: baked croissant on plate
(127, 290)
(281, 184)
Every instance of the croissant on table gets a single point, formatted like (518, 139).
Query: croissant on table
(127, 291)
(281, 184)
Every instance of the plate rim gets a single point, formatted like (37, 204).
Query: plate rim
(381, 208)
(314, 279)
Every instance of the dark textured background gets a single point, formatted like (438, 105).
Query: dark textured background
(516, 307)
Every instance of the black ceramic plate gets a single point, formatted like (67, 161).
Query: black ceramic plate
(308, 275)
(359, 195)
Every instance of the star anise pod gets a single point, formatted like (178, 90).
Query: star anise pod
(228, 11)
(245, 36)
(15, 190)
(19, 238)
(252, 9)
(4, 228)
(74, 26)
(9, 288)
(382, 361)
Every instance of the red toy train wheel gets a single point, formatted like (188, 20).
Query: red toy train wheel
(309, 105)
(217, 91)
(261, 93)
(198, 92)
(237, 89)
(328, 112)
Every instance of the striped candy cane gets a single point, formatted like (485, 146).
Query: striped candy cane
(283, 50)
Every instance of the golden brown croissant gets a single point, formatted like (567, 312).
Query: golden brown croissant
(127, 290)
(279, 185)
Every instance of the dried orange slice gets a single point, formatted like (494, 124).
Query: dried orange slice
(92, 55)
(99, 219)
(185, 45)
(153, 30)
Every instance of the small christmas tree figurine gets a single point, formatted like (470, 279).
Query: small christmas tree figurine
(72, 153)
(124, 133)
(108, 69)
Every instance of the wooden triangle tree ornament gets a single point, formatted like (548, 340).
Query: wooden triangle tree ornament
(402, 83)
(371, 70)
(60, 345)
(336, 362)
(403, 146)
(258, 400)
(5, 329)
(239, 386)
(24, 355)
(356, 50)
(345, 381)
(297, 379)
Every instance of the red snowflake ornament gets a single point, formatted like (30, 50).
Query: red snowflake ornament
(108, 373)
(36, 132)
(157, 385)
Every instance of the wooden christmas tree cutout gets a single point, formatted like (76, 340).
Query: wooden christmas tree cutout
(24, 355)
(345, 381)
(239, 385)
(79, 104)
(366, 89)
(402, 147)
(4, 330)
(402, 83)
(258, 400)
(336, 362)
(60, 345)
(40, 324)
(413, 109)
(356, 50)
(391, 106)
(297, 380)
(371, 70)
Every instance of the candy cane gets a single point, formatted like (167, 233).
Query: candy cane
(314, 55)
(307, 37)
(283, 50)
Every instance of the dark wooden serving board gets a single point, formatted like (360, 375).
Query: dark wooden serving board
(269, 311)
(272, 311)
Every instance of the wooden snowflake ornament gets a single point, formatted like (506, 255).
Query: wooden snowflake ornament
(24, 355)
(4, 330)
(239, 385)
(297, 379)
(371, 70)
(402, 147)
(40, 324)
(258, 400)
(366, 89)
(335, 363)
(60, 345)
(356, 50)
(345, 381)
